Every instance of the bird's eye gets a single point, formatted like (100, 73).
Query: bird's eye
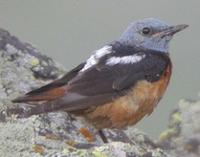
(146, 30)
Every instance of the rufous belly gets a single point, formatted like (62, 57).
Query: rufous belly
(129, 109)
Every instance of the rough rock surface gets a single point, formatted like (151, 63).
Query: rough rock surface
(23, 68)
(183, 134)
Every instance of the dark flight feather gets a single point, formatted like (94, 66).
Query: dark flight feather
(52, 90)
(60, 82)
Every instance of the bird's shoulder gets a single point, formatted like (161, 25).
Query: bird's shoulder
(116, 53)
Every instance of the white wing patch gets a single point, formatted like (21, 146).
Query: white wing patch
(125, 59)
(94, 58)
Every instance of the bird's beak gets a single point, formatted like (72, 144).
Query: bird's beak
(171, 30)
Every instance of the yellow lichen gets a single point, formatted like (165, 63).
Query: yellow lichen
(97, 153)
(167, 134)
(177, 118)
(34, 62)
(65, 151)
(81, 152)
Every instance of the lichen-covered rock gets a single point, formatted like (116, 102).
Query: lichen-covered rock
(23, 68)
(183, 135)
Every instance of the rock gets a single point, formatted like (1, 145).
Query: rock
(183, 135)
(23, 68)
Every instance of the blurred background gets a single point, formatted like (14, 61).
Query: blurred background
(68, 31)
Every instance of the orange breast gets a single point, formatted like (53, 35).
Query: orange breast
(129, 109)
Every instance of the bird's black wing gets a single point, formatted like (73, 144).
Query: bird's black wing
(102, 83)
(103, 78)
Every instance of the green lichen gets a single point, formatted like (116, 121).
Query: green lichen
(81, 153)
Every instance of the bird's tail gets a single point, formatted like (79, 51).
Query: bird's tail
(48, 97)
(33, 108)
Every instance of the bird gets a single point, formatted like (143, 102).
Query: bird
(119, 84)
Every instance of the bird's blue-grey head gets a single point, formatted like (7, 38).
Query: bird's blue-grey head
(151, 34)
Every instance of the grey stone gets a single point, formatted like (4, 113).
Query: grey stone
(183, 134)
